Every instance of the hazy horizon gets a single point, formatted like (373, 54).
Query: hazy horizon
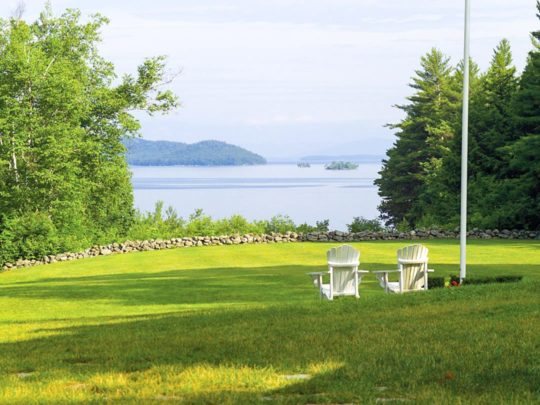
(291, 78)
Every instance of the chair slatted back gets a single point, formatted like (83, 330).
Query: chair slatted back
(343, 277)
(412, 276)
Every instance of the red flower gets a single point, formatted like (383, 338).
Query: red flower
(449, 375)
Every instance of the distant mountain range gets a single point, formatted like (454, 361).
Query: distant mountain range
(342, 158)
(141, 152)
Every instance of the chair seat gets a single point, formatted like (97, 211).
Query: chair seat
(325, 290)
(393, 286)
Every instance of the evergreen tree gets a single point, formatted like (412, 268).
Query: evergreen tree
(420, 180)
(423, 138)
(439, 201)
(491, 116)
(523, 204)
(490, 129)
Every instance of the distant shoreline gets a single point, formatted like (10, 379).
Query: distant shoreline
(143, 152)
(268, 163)
(314, 160)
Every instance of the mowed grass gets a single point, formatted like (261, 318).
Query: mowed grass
(244, 324)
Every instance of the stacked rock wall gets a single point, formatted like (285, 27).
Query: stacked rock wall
(337, 236)
(289, 237)
(156, 244)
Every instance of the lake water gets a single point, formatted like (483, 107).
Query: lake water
(260, 192)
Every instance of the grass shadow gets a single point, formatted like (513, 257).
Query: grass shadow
(350, 349)
(191, 287)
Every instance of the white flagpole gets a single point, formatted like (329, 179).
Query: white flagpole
(464, 148)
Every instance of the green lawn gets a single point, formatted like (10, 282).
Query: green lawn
(243, 324)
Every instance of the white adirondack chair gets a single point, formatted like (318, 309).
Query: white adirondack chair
(412, 270)
(343, 270)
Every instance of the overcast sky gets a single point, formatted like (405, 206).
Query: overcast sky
(287, 78)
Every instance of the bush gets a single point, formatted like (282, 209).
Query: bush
(361, 224)
(320, 226)
(403, 226)
(280, 224)
(30, 236)
(238, 225)
(156, 224)
(436, 282)
(430, 222)
(487, 279)
(161, 224)
(200, 224)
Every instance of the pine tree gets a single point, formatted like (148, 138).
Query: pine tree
(439, 201)
(423, 137)
(490, 129)
(523, 204)
(492, 123)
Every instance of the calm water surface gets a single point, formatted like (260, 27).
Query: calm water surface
(260, 192)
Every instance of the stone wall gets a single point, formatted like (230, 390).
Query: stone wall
(337, 236)
(333, 236)
(156, 244)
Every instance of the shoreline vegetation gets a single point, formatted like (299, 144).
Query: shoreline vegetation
(163, 229)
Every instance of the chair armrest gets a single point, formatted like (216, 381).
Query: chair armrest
(412, 261)
(362, 271)
(317, 278)
(317, 273)
(334, 264)
(386, 271)
(430, 270)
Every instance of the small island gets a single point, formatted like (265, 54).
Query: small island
(303, 164)
(340, 165)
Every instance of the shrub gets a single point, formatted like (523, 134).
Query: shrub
(156, 224)
(430, 222)
(403, 226)
(200, 224)
(320, 226)
(436, 282)
(238, 225)
(305, 228)
(29, 236)
(508, 279)
(487, 279)
(361, 224)
(280, 224)
(166, 224)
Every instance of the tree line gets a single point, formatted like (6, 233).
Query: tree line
(420, 179)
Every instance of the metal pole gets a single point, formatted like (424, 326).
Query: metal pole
(464, 148)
